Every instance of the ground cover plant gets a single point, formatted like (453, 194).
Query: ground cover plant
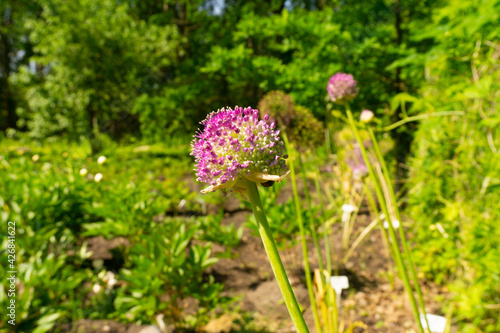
(354, 140)
(61, 205)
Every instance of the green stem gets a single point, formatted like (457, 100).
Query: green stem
(326, 230)
(387, 243)
(332, 318)
(330, 294)
(406, 249)
(380, 196)
(328, 132)
(274, 259)
(312, 227)
(307, 269)
(423, 116)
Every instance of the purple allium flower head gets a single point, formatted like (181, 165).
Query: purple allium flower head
(235, 144)
(342, 88)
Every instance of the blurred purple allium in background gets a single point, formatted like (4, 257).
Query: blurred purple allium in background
(234, 144)
(357, 164)
(342, 88)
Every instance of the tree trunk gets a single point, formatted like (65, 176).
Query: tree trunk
(402, 139)
(8, 114)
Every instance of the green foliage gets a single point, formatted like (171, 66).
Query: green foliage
(291, 51)
(157, 117)
(454, 178)
(175, 270)
(186, 59)
(45, 208)
(211, 231)
(58, 208)
(93, 72)
(97, 60)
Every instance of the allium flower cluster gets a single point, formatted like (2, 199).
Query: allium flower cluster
(299, 124)
(235, 144)
(279, 106)
(305, 131)
(342, 88)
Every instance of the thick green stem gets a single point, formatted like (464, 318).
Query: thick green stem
(307, 269)
(406, 249)
(378, 190)
(274, 259)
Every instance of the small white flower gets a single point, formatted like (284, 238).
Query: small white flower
(101, 159)
(35, 158)
(109, 279)
(395, 224)
(98, 177)
(96, 288)
(83, 172)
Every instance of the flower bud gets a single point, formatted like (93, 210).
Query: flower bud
(366, 116)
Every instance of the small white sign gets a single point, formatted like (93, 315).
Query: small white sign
(338, 283)
(437, 324)
(346, 212)
(348, 208)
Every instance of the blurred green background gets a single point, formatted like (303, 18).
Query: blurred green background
(131, 80)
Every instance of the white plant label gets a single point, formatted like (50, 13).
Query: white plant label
(437, 324)
(347, 210)
(338, 283)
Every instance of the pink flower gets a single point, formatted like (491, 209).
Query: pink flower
(342, 88)
(235, 144)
